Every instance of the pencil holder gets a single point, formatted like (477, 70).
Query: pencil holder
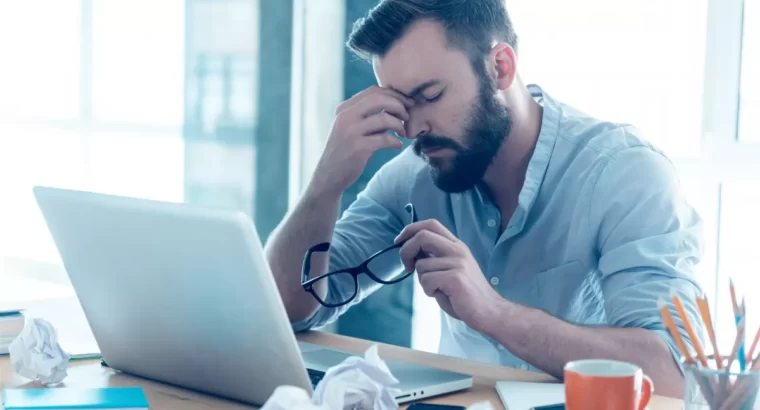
(710, 388)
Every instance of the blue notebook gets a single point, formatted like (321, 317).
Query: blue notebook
(11, 312)
(60, 398)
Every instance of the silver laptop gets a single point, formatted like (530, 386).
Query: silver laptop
(184, 295)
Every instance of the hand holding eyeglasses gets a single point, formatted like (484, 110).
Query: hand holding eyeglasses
(382, 267)
(449, 272)
(446, 269)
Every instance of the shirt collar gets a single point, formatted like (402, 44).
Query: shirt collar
(547, 137)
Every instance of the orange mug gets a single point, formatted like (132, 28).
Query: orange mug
(606, 385)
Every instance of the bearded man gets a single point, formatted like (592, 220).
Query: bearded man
(544, 234)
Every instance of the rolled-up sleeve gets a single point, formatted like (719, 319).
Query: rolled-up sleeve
(649, 241)
(369, 224)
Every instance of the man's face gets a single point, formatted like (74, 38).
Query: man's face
(457, 122)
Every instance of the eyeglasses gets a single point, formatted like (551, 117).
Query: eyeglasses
(376, 267)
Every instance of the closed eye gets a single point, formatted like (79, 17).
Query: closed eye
(435, 97)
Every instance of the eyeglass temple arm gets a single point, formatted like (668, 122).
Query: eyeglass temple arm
(306, 268)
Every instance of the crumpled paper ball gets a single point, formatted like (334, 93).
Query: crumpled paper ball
(358, 382)
(36, 354)
(363, 383)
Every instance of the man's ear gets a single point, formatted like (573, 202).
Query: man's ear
(502, 65)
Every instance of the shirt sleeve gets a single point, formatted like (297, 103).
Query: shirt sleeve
(649, 241)
(369, 224)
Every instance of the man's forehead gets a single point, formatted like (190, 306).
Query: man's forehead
(420, 55)
(405, 77)
(409, 73)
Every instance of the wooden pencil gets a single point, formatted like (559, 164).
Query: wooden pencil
(689, 329)
(667, 319)
(704, 310)
(734, 304)
(737, 344)
(751, 352)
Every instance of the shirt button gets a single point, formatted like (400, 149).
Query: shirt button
(491, 223)
(494, 280)
(524, 366)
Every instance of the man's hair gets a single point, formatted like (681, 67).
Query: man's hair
(470, 25)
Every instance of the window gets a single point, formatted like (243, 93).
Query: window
(139, 98)
(96, 106)
(34, 155)
(34, 96)
(739, 220)
(634, 62)
(138, 54)
(165, 105)
(40, 73)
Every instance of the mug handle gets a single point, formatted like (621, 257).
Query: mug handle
(647, 388)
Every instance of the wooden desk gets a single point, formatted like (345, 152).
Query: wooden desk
(164, 397)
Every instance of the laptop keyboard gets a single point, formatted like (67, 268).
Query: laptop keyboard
(315, 376)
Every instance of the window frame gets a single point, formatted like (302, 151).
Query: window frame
(317, 87)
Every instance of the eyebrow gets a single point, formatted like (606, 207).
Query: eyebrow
(420, 88)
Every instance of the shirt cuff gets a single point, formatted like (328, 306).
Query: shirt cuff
(322, 317)
(306, 324)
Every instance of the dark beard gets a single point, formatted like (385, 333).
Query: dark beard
(485, 131)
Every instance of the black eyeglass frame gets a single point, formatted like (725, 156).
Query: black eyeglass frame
(363, 268)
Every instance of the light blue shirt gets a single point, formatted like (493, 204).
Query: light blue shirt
(600, 233)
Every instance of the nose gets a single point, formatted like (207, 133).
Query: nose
(417, 126)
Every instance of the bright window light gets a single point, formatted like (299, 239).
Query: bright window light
(637, 62)
(749, 120)
(39, 45)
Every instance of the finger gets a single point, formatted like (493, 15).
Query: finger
(380, 123)
(427, 225)
(374, 90)
(356, 98)
(434, 264)
(408, 102)
(425, 242)
(383, 140)
(382, 103)
(438, 281)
